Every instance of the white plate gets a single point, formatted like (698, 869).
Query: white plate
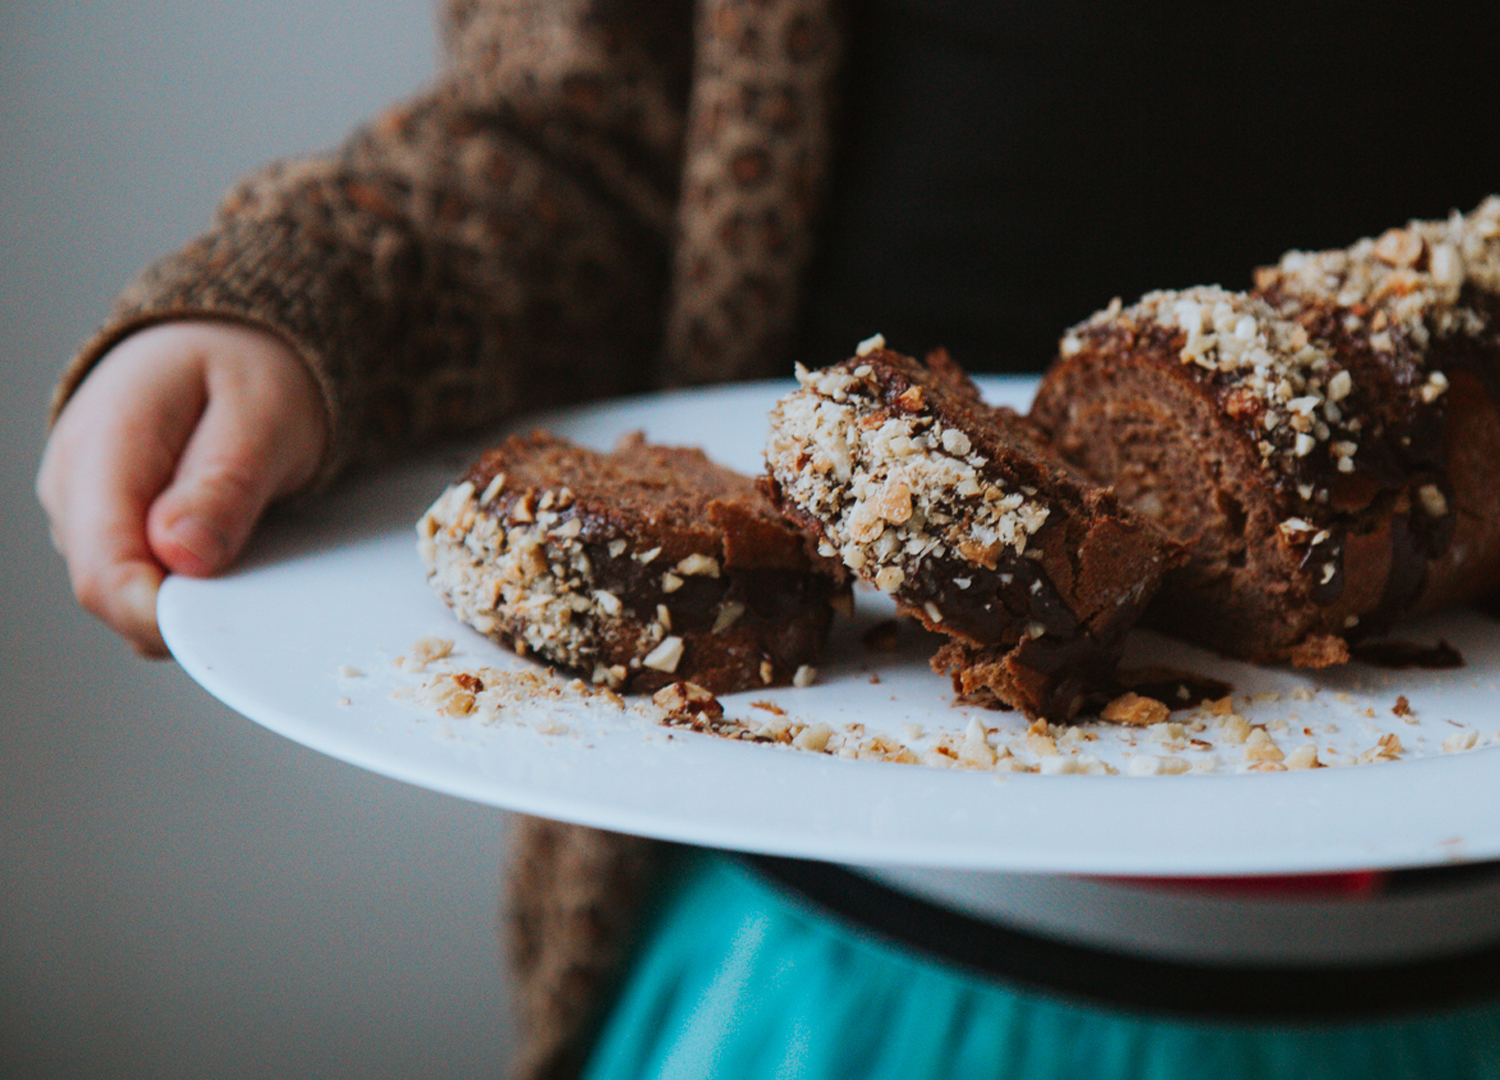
(339, 590)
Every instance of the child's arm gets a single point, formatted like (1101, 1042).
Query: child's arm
(497, 244)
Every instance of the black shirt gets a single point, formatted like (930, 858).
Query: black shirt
(1007, 169)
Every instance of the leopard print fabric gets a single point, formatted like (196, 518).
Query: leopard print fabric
(754, 172)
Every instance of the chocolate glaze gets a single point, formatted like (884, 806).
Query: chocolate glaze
(1002, 605)
(1401, 448)
(673, 500)
(988, 610)
(1076, 662)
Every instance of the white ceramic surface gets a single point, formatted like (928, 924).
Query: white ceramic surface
(340, 590)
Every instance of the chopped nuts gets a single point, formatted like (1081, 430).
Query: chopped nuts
(892, 487)
(729, 613)
(1304, 757)
(1132, 708)
(686, 700)
(1259, 747)
(1387, 748)
(492, 489)
(697, 564)
(666, 656)
(814, 738)
(1465, 739)
(1151, 765)
(1399, 247)
(975, 748)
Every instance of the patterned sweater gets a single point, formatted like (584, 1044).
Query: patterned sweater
(595, 197)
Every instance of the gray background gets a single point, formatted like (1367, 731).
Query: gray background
(184, 894)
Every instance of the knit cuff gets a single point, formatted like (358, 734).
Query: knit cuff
(254, 274)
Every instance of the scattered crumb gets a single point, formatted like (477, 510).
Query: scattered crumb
(1459, 741)
(425, 650)
(1234, 729)
(1304, 757)
(814, 738)
(1388, 748)
(488, 696)
(1261, 749)
(1075, 765)
(1131, 708)
(1151, 765)
(1039, 740)
(688, 703)
(975, 748)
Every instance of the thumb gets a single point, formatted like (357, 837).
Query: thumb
(259, 438)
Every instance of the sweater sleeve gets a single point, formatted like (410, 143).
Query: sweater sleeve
(498, 243)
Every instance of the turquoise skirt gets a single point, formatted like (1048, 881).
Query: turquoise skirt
(738, 979)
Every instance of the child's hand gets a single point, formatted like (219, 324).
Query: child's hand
(167, 455)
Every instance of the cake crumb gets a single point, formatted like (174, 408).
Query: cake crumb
(814, 738)
(1133, 709)
(1387, 748)
(1260, 748)
(427, 649)
(975, 748)
(687, 702)
(1234, 728)
(1152, 765)
(1459, 741)
(1304, 757)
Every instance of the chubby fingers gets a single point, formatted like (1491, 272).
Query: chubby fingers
(260, 437)
(183, 431)
(113, 448)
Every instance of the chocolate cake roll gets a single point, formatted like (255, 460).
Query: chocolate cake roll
(958, 511)
(1327, 446)
(635, 569)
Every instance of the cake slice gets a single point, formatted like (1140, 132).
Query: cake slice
(961, 513)
(1325, 446)
(636, 568)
